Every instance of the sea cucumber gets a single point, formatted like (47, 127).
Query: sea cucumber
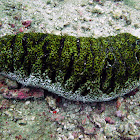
(83, 69)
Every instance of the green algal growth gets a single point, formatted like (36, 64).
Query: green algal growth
(84, 68)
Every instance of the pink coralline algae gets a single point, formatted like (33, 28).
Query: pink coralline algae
(109, 120)
(26, 23)
(119, 114)
(21, 29)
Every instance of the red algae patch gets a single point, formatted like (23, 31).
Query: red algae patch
(24, 93)
(4, 104)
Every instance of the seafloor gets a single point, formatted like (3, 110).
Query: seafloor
(54, 117)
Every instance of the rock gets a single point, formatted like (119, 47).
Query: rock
(137, 25)
(21, 29)
(69, 126)
(121, 129)
(98, 9)
(27, 102)
(51, 102)
(81, 137)
(90, 2)
(8, 113)
(2, 78)
(109, 120)
(12, 25)
(56, 32)
(128, 21)
(119, 114)
(70, 137)
(67, 24)
(11, 84)
(0, 24)
(136, 110)
(110, 131)
(119, 102)
(17, 17)
(132, 129)
(137, 123)
(22, 122)
(4, 104)
(26, 23)
(3, 88)
(117, 14)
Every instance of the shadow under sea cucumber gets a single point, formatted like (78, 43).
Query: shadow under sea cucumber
(84, 69)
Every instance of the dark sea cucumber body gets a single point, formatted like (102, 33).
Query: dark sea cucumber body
(84, 68)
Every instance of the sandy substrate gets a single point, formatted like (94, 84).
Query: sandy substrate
(54, 117)
(77, 18)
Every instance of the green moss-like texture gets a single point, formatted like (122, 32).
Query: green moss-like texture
(95, 69)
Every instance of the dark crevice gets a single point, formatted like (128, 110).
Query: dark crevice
(85, 61)
(12, 53)
(126, 68)
(126, 72)
(84, 92)
(36, 42)
(61, 47)
(111, 86)
(111, 62)
(79, 83)
(103, 78)
(45, 56)
(69, 69)
(27, 66)
(52, 74)
(24, 42)
(78, 46)
(92, 71)
(138, 42)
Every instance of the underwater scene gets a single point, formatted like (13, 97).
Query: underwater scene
(70, 70)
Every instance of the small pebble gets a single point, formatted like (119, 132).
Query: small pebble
(51, 101)
(98, 9)
(26, 23)
(22, 122)
(70, 137)
(81, 136)
(109, 120)
(11, 84)
(117, 14)
(27, 102)
(137, 123)
(119, 114)
(0, 24)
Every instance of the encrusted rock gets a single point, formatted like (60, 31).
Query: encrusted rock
(110, 131)
(51, 101)
(11, 84)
